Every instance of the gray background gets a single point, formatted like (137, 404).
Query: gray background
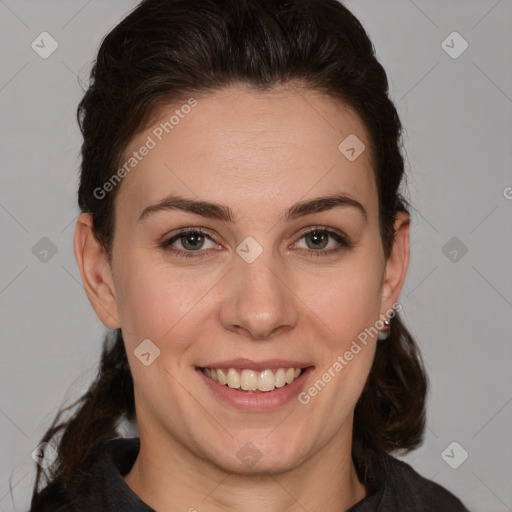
(457, 114)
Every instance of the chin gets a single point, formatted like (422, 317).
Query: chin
(259, 458)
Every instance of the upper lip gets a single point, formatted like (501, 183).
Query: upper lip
(257, 365)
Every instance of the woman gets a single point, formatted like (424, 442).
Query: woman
(244, 237)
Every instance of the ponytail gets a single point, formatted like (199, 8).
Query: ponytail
(109, 399)
(390, 413)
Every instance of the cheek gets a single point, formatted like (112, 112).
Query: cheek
(154, 298)
(348, 303)
(346, 300)
(347, 352)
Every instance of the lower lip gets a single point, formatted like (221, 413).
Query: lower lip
(265, 401)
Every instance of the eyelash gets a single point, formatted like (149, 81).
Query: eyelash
(166, 245)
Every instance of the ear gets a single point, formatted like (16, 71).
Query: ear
(396, 264)
(96, 272)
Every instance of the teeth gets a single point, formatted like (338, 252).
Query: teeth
(221, 376)
(233, 378)
(251, 380)
(280, 378)
(266, 381)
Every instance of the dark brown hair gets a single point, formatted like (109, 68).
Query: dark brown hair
(167, 50)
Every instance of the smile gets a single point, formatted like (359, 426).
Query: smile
(252, 380)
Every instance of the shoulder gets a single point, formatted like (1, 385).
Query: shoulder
(49, 499)
(98, 485)
(406, 489)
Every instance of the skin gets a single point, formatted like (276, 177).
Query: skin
(258, 153)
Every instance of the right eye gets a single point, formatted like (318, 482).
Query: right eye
(191, 239)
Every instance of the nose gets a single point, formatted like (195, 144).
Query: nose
(258, 303)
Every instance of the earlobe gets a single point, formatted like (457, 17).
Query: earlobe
(96, 272)
(397, 263)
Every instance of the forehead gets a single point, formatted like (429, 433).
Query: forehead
(246, 147)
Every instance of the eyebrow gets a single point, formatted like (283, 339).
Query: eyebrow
(225, 213)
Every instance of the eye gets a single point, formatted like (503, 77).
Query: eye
(317, 239)
(192, 240)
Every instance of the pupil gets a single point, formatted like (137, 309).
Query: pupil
(318, 236)
(194, 237)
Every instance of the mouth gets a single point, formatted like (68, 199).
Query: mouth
(249, 380)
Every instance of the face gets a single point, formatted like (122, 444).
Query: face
(286, 280)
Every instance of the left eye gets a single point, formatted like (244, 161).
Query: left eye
(318, 239)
